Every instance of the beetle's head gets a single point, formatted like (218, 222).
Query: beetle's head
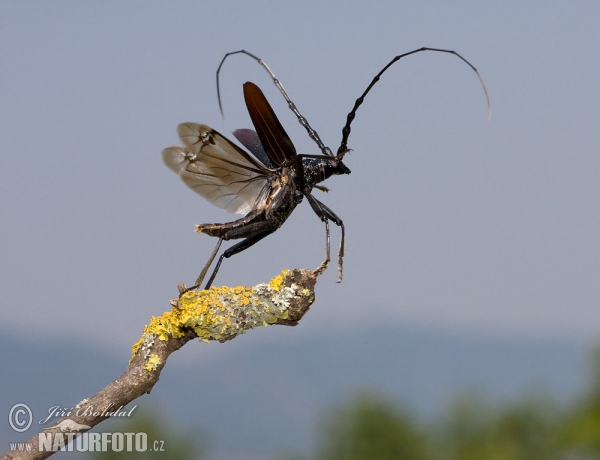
(341, 168)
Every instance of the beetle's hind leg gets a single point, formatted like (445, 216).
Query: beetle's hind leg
(235, 249)
(208, 264)
(253, 232)
(205, 269)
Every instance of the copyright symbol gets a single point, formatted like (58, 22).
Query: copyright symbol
(20, 417)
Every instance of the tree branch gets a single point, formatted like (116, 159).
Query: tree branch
(219, 314)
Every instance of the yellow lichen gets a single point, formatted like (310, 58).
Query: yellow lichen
(152, 363)
(220, 313)
(277, 282)
(137, 346)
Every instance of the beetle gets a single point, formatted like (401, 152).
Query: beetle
(268, 183)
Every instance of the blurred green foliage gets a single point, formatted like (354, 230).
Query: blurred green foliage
(580, 430)
(474, 429)
(372, 427)
(534, 427)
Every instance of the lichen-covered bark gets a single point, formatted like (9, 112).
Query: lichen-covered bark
(216, 314)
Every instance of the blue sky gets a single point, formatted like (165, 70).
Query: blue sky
(453, 223)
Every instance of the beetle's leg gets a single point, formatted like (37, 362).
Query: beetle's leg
(336, 220)
(205, 269)
(208, 264)
(323, 188)
(252, 232)
(321, 268)
(241, 228)
(220, 230)
(326, 214)
(236, 248)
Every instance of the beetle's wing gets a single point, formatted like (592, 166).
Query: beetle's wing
(217, 169)
(251, 141)
(275, 141)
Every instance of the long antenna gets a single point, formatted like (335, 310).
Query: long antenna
(350, 117)
(303, 121)
(346, 129)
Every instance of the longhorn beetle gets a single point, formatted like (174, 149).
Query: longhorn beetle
(267, 185)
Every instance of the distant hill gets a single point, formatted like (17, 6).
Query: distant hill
(264, 393)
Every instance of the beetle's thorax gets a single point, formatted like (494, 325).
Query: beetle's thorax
(316, 171)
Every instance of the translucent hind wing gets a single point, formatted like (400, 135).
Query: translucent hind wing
(217, 169)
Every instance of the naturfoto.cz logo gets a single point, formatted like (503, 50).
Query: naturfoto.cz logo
(96, 442)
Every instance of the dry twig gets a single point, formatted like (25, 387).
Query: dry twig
(219, 314)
